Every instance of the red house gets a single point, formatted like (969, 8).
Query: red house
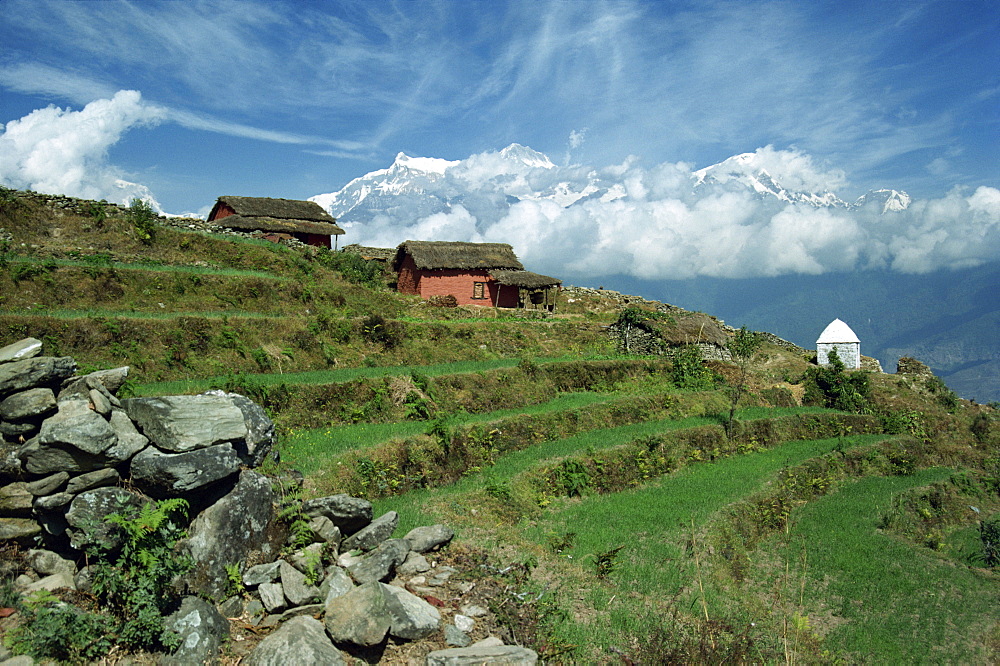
(303, 220)
(474, 273)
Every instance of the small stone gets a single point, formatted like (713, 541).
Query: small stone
(48, 485)
(262, 573)
(272, 596)
(453, 636)
(472, 610)
(464, 623)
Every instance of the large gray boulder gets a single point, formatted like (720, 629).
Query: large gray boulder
(182, 423)
(300, 641)
(88, 513)
(350, 514)
(38, 458)
(380, 563)
(201, 628)
(76, 425)
(511, 655)
(227, 531)
(361, 616)
(372, 535)
(34, 372)
(34, 403)
(162, 474)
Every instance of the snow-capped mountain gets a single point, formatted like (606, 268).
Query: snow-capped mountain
(488, 184)
(745, 169)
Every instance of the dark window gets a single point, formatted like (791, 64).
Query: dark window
(479, 290)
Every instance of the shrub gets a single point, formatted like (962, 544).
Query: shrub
(378, 330)
(830, 386)
(143, 220)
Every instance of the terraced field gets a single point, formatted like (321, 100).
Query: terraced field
(605, 504)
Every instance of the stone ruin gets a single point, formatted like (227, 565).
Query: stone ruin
(72, 453)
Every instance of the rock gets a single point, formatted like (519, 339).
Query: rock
(489, 641)
(414, 563)
(172, 474)
(100, 401)
(324, 530)
(336, 584)
(373, 534)
(109, 380)
(261, 573)
(54, 582)
(182, 423)
(226, 532)
(297, 590)
(455, 637)
(511, 655)
(17, 432)
(424, 539)
(53, 502)
(10, 463)
(21, 350)
(34, 372)
(47, 485)
(232, 607)
(84, 430)
(464, 623)
(99, 478)
(259, 440)
(35, 403)
(254, 611)
(412, 618)
(381, 562)
(309, 609)
(909, 366)
(15, 500)
(45, 562)
(272, 596)
(88, 514)
(130, 440)
(20, 530)
(472, 610)
(201, 628)
(360, 616)
(309, 558)
(38, 458)
(301, 641)
(350, 514)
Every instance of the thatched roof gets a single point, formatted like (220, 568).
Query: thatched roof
(430, 255)
(689, 328)
(525, 279)
(282, 215)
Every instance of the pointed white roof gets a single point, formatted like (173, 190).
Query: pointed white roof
(837, 331)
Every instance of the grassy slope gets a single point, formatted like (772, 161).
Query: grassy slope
(712, 565)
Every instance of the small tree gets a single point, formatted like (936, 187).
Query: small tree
(143, 220)
(743, 347)
(830, 386)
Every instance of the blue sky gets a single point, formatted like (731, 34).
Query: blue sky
(294, 99)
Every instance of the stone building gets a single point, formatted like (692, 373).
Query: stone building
(839, 336)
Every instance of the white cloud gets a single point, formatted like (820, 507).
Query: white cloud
(61, 151)
(657, 224)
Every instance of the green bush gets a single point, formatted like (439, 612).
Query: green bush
(51, 629)
(143, 220)
(831, 386)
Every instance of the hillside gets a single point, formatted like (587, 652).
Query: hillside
(609, 507)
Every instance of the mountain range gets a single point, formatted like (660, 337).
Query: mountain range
(554, 215)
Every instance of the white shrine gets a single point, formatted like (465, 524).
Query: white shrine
(839, 336)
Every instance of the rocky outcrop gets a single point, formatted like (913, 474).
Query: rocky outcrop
(72, 454)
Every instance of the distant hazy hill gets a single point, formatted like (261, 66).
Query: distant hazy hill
(950, 320)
